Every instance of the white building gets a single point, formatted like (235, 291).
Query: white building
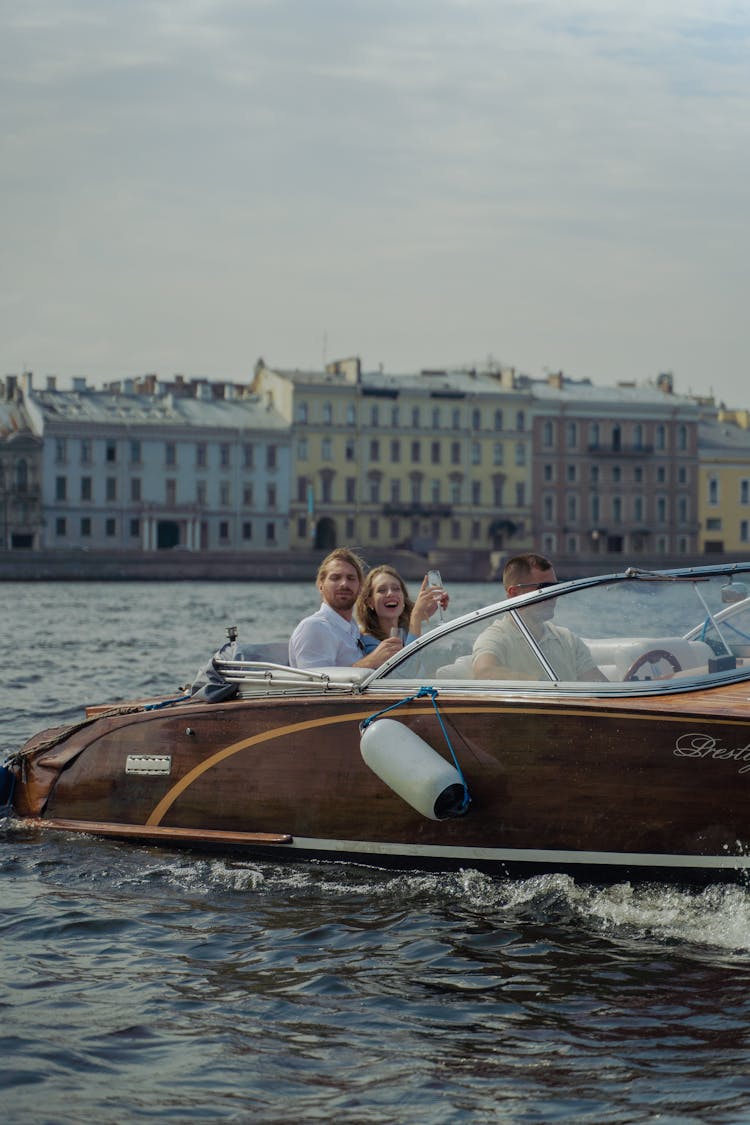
(146, 465)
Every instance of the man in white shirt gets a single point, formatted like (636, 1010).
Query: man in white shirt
(330, 638)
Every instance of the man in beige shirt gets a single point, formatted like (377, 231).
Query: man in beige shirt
(501, 652)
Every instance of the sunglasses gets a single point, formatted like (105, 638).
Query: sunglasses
(533, 585)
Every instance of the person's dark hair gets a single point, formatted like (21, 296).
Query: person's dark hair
(520, 567)
(366, 615)
(344, 555)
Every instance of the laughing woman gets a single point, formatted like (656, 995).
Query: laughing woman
(384, 608)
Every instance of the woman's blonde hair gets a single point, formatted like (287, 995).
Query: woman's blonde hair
(366, 616)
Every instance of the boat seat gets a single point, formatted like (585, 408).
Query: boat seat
(615, 656)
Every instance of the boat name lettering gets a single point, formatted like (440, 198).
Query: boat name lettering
(698, 745)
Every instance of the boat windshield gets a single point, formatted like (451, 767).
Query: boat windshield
(625, 629)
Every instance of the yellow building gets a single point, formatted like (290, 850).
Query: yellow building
(724, 485)
(439, 461)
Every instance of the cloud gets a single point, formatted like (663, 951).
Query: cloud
(190, 184)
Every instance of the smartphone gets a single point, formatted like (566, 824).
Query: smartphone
(434, 578)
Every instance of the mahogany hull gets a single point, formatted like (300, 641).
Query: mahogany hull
(640, 787)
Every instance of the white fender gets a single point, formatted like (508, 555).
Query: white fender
(412, 769)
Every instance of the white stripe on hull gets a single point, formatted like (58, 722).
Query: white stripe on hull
(548, 858)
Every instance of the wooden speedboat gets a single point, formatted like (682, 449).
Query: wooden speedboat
(642, 775)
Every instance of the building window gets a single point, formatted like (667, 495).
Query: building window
(520, 453)
(170, 491)
(60, 450)
(638, 437)
(61, 488)
(271, 456)
(744, 492)
(498, 419)
(225, 455)
(374, 415)
(301, 527)
(476, 420)
(661, 437)
(548, 508)
(416, 453)
(350, 451)
(616, 509)
(224, 494)
(271, 495)
(374, 529)
(350, 528)
(135, 452)
(351, 415)
(351, 490)
(548, 435)
(374, 450)
(661, 509)
(435, 448)
(374, 485)
(60, 526)
(476, 492)
(571, 435)
(616, 474)
(520, 420)
(395, 451)
(85, 527)
(135, 489)
(86, 489)
(476, 453)
(396, 490)
(200, 493)
(248, 454)
(455, 453)
(415, 417)
(571, 473)
(435, 490)
(170, 453)
(110, 486)
(85, 452)
(247, 530)
(111, 452)
(326, 449)
(395, 526)
(455, 530)
(498, 453)
(638, 509)
(456, 423)
(682, 441)
(247, 495)
(271, 533)
(713, 490)
(302, 449)
(572, 508)
(744, 531)
(200, 455)
(327, 414)
(301, 412)
(520, 493)
(224, 531)
(110, 527)
(497, 493)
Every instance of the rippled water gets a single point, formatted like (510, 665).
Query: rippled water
(146, 984)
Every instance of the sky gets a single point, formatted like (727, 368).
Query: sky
(189, 185)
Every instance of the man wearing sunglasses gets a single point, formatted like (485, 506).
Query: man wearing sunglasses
(502, 652)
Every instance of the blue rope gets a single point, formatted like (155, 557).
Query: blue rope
(421, 694)
(165, 703)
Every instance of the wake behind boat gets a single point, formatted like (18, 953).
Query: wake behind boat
(638, 771)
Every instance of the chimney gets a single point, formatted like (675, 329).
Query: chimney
(51, 382)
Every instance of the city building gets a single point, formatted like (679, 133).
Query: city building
(615, 475)
(724, 492)
(438, 461)
(20, 473)
(146, 465)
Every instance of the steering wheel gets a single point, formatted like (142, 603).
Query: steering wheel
(653, 656)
